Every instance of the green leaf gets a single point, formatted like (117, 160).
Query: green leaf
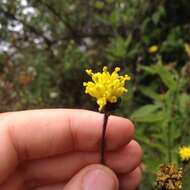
(167, 77)
(158, 15)
(147, 91)
(118, 47)
(184, 102)
(147, 109)
(148, 114)
(148, 69)
(151, 118)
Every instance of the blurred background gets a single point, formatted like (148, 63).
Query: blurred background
(46, 45)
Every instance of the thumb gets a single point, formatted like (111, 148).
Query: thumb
(93, 177)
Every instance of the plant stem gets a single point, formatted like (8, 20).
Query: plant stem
(169, 143)
(103, 142)
(185, 168)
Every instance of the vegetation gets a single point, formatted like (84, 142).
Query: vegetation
(45, 47)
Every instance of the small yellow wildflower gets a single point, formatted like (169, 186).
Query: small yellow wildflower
(187, 49)
(99, 5)
(169, 177)
(184, 153)
(106, 87)
(153, 49)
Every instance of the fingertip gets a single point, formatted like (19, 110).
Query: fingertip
(120, 131)
(129, 157)
(94, 177)
(131, 181)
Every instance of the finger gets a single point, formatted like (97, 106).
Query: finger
(59, 186)
(15, 181)
(127, 182)
(131, 181)
(62, 168)
(55, 170)
(92, 178)
(127, 159)
(41, 133)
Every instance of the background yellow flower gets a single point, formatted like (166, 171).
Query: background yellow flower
(184, 153)
(153, 49)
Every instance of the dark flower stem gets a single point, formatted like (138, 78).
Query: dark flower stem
(103, 142)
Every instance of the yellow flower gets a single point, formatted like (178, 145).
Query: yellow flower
(187, 49)
(153, 49)
(99, 5)
(106, 87)
(184, 153)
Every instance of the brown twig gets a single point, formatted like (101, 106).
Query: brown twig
(103, 142)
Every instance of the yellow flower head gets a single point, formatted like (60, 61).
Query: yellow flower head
(153, 49)
(184, 153)
(105, 86)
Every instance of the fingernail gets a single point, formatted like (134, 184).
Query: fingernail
(98, 179)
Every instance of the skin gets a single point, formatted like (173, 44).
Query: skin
(48, 149)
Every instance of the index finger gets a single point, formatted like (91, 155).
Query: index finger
(41, 133)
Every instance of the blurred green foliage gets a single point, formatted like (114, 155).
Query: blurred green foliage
(45, 46)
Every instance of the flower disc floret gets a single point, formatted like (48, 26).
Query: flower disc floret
(184, 153)
(106, 87)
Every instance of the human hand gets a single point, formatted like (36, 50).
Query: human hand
(59, 149)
